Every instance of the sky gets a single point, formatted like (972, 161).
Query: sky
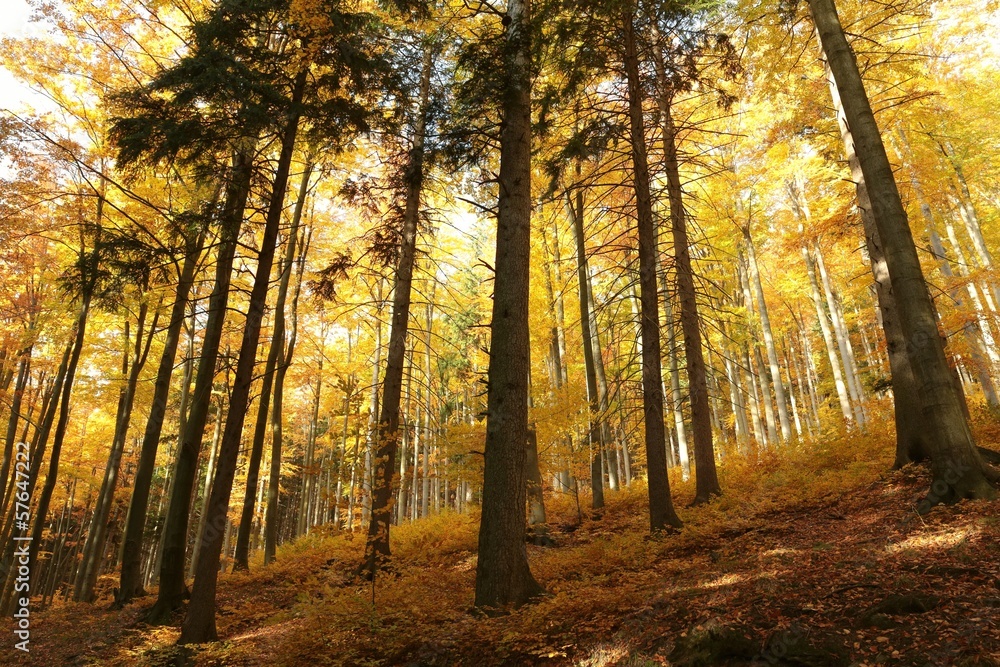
(14, 15)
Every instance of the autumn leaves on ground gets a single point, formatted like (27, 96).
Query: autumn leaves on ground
(815, 556)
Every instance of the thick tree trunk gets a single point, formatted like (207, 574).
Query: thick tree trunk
(503, 577)
(661, 509)
(957, 468)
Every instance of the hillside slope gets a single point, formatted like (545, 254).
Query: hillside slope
(814, 557)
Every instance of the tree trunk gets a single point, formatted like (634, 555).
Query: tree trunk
(957, 468)
(242, 556)
(130, 582)
(173, 588)
(199, 624)
(661, 509)
(586, 322)
(503, 577)
(765, 325)
(911, 431)
(94, 547)
(377, 549)
(706, 478)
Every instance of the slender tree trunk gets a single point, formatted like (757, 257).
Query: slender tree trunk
(765, 325)
(199, 624)
(42, 508)
(23, 374)
(377, 549)
(661, 510)
(911, 431)
(94, 548)
(173, 588)
(242, 556)
(706, 478)
(130, 581)
(677, 401)
(589, 353)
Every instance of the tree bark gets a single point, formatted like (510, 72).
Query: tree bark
(661, 509)
(173, 588)
(377, 550)
(130, 581)
(957, 468)
(503, 577)
(199, 624)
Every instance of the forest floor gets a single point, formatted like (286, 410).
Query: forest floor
(812, 557)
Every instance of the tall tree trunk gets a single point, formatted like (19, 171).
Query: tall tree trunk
(80, 328)
(502, 574)
(957, 467)
(765, 325)
(842, 338)
(130, 581)
(911, 431)
(199, 624)
(377, 550)
(242, 556)
(706, 478)
(661, 509)
(586, 322)
(173, 588)
(94, 547)
(676, 402)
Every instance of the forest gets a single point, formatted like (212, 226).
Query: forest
(565, 332)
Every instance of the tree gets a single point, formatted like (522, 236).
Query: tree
(958, 470)
(503, 577)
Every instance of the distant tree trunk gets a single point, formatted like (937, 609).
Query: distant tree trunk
(661, 509)
(23, 374)
(802, 213)
(589, 353)
(536, 499)
(80, 328)
(242, 556)
(842, 337)
(955, 463)
(757, 363)
(676, 403)
(49, 410)
(765, 326)
(173, 588)
(93, 550)
(199, 624)
(130, 582)
(503, 577)
(377, 549)
(602, 388)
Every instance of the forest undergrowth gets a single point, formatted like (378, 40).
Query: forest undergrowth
(814, 556)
